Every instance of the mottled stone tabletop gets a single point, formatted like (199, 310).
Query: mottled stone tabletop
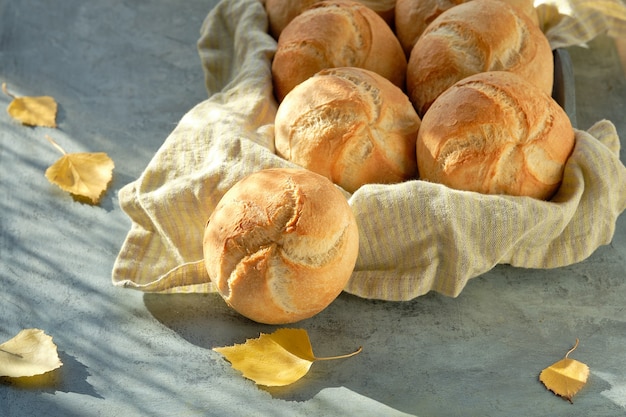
(124, 72)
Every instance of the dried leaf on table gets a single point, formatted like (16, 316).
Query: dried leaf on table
(31, 352)
(82, 174)
(275, 359)
(565, 377)
(32, 111)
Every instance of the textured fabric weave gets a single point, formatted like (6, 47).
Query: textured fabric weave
(415, 237)
(576, 22)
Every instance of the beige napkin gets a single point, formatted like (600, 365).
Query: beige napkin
(575, 22)
(414, 237)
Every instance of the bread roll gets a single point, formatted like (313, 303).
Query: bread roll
(281, 245)
(281, 12)
(336, 34)
(350, 125)
(413, 16)
(495, 133)
(473, 37)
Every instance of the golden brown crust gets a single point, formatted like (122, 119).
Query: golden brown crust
(336, 34)
(495, 133)
(281, 12)
(413, 16)
(350, 125)
(281, 245)
(527, 7)
(473, 37)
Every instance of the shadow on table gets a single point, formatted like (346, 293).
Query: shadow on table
(206, 321)
(71, 377)
(434, 353)
(202, 319)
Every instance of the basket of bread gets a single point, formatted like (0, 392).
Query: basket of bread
(386, 149)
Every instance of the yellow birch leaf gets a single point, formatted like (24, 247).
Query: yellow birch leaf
(82, 174)
(31, 352)
(275, 359)
(565, 377)
(33, 111)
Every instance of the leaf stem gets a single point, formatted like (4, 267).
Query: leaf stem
(6, 91)
(56, 145)
(329, 358)
(572, 349)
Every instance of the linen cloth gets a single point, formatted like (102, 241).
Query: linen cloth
(415, 236)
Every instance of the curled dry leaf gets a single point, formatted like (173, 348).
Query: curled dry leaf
(565, 377)
(275, 359)
(82, 174)
(31, 352)
(32, 111)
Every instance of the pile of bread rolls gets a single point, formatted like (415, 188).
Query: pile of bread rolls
(447, 91)
(363, 128)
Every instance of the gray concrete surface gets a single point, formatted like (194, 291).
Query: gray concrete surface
(124, 72)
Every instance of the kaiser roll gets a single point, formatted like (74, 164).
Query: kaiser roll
(473, 37)
(281, 245)
(413, 16)
(336, 34)
(350, 125)
(281, 12)
(495, 133)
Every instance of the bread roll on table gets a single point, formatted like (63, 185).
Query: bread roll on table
(336, 34)
(350, 125)
(474, 37)
(495, 133)
(281, 245)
